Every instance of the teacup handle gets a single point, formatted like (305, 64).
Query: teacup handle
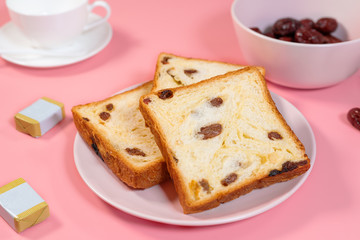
(101, 20)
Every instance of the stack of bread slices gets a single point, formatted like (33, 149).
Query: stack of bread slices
(210, 127)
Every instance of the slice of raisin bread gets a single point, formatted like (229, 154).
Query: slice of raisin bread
(222, 138)
(175, 71)
(115, 129)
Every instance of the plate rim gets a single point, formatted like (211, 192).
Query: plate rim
(209, 222)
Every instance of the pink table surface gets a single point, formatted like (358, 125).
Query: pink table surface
(327, 206)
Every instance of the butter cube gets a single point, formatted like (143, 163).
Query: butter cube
(40, 117)
(20, 206)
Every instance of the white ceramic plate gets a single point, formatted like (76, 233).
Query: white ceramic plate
(87, 45)
(160, 203)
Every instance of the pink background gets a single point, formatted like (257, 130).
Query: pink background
(327, 206)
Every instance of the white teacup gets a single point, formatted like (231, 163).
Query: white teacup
(54, 23)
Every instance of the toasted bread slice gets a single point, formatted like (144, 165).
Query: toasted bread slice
(222, 138)
(175, 71)
(115, 129)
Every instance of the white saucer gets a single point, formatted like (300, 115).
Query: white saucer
(88, 44)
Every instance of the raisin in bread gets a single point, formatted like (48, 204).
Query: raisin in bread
(175, 71)
(222, 138)
(115, 129)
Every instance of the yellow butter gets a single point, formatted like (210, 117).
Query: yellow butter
(40, 117)
(20, 206)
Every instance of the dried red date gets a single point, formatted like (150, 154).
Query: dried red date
(104, 116)
(285, 26)
(189, 72)
(147, 100)
(109, 107)
(210, 131)
(303, 35)
(164, 94)
(354, 117)
(326, 25)
(289, 166)
(135, 152)
(274, 135)
(229, 179)
(165, 60)
(216, 102)
(205, 185)
(307, 23)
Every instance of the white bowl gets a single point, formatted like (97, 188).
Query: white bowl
(298, 65)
